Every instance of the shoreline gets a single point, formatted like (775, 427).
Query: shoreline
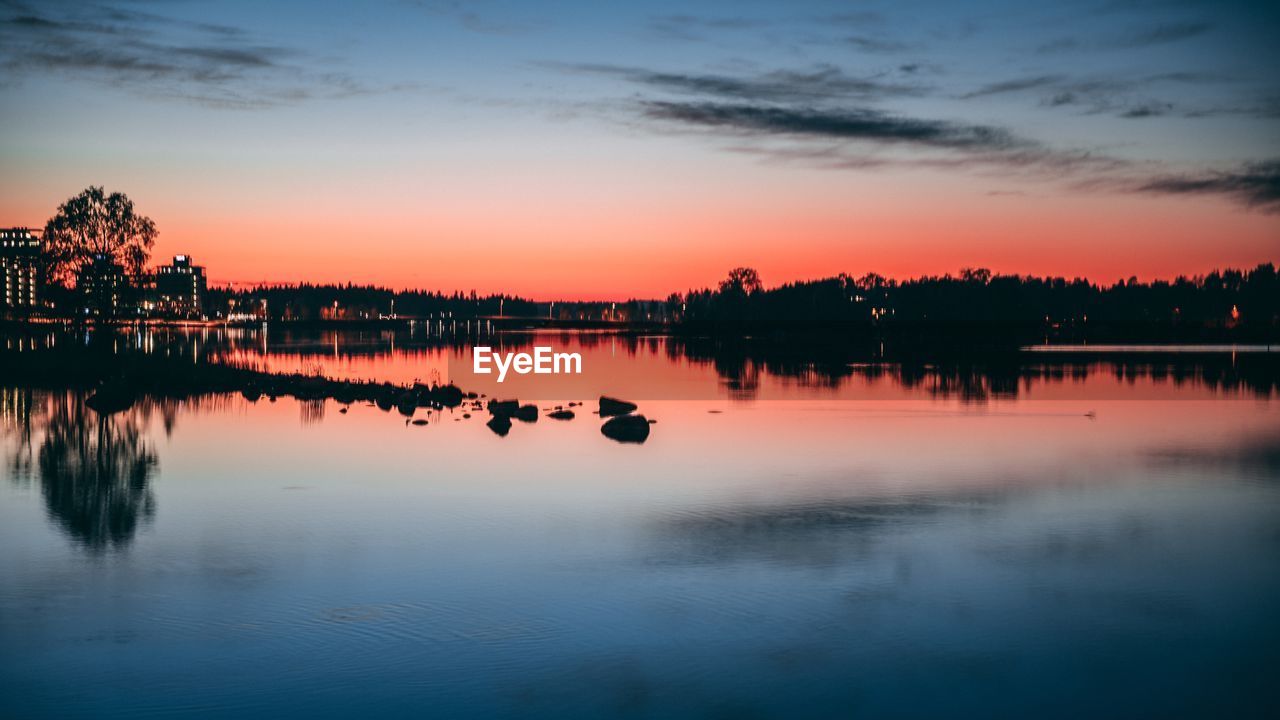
(117, 380)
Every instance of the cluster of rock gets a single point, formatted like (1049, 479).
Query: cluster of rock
(623, 424)
(502, 412)
(406, 401)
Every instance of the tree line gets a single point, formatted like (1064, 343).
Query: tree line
(1242, 300)
(306, 301)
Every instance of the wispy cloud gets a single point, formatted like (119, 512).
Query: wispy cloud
(1161, 34)
(828, 118)
(1136, 38)
(822, 82)
(1123, 97)
(1037, 82)
(873, 44)
(1147, 111)
(860, 124)
(216, 65)
(1256, 185)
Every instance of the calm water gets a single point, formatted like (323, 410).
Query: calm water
(793, 540)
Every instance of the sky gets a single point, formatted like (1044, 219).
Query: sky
(573, 149)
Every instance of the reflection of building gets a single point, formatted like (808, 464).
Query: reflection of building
(103, 287)
(180, 288)
(19, 256)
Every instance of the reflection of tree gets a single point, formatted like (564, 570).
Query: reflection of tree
(312, 411)
(974, 378)
(740, 375)
(95, 472)
(17, 408)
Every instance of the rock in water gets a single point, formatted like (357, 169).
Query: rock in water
(561, 415)
(500, 425)
(504, 408)
(110, 399)
(385, 400)
(613, 406)
(527, 413)
(626, 428)
(407, 403)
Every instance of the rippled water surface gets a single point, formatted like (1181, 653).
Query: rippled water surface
(1096, 538)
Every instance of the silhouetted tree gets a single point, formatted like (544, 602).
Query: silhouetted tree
(94, 223)
(741, 281)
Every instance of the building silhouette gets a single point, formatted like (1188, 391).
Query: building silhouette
(19, 262)
(180, 288)
(103, 288)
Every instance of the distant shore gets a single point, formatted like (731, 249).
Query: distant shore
(925, 336)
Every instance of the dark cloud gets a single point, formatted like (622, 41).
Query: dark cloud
(1257, 185)
(1124, 97)
(1146, 111)
(847, 125)
(1016, 85)
(824, 82)
(1138, 38)
(1265, 107)
(1060, 99)
(212, 64)
(31, 21)
(921, 68)
(828, 118)
(1162, 34)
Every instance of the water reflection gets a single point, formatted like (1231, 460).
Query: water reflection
(909, 558)
(819, 532)
(669, 367)
(17, 406)
(95, 473)
(1259, 456)
(312, 411)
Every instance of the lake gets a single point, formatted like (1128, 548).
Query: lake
(1055, 535)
